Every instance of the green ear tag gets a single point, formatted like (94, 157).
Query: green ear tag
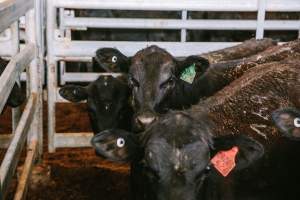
(188, 75)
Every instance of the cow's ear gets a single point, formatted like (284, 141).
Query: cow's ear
(235, 152)
(116, 145)
(74, 93)
(288, 122)
(16, 97)
(112, 60)
(192, 63)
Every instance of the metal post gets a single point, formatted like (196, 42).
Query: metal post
(51, 70)
(39, 21)
(33, 75)
(183, 31)
(261, 13)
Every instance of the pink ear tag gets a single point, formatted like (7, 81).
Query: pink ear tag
(224, 161)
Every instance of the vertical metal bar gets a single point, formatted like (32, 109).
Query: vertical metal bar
(261, 14)
(62, 70)
(15, 42)
(62, 64)
(51, 73)
(183, 31)
(33, 74)
(39, 21)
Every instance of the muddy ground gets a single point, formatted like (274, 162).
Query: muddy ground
(72, 174)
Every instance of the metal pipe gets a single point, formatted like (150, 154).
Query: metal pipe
(178, 5)
(51, 71)
(191, 24)
(183, 30)
(261, 15)
(178, 49)
(86, 77)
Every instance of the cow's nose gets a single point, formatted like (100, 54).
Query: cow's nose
(146, 119)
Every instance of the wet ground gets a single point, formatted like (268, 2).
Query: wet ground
(73, 174)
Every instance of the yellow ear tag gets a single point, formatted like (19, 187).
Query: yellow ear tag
(188, 75)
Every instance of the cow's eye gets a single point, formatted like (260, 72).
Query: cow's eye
(297, 122)
(133, 82)
(168, 83)
(120, 142)
(114, 59)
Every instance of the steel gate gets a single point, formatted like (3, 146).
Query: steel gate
(27, 125)
(61, 48)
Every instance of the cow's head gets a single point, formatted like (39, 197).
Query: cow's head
(17, 95)
(288, 122)
(107, 101)
(176, 154)
(153, 75)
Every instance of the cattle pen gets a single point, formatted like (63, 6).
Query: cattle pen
(37, 39)
(62, 48)
(27, 123)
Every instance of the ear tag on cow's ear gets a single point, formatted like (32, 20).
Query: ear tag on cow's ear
(189, 73)
(224, 161)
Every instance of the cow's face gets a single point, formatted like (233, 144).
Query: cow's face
(288, 122)
(107, 100)
(152, 79)
(153, 76)
(178, 155)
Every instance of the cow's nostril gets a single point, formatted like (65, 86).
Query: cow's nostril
(145, 120)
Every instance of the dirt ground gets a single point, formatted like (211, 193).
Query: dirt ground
(73, 174)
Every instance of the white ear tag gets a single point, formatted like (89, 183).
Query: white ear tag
(114, 59)
(297, 122)
(120, 142)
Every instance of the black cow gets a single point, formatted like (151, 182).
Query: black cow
(107, 102)
(178, 157)
(174, 159)
(17, 96)
(157, 82)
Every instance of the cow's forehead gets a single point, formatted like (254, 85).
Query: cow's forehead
(193, 156)
(143, 54)
(106, 86)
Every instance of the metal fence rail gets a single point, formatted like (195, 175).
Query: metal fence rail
(62, 48)
(27, 125)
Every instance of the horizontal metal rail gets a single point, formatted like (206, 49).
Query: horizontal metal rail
(86, 77)
(13, 153)
(207, 24)
(12, 10)
(178, 5)
(13, 70)
(178, 49)
(72, 139)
